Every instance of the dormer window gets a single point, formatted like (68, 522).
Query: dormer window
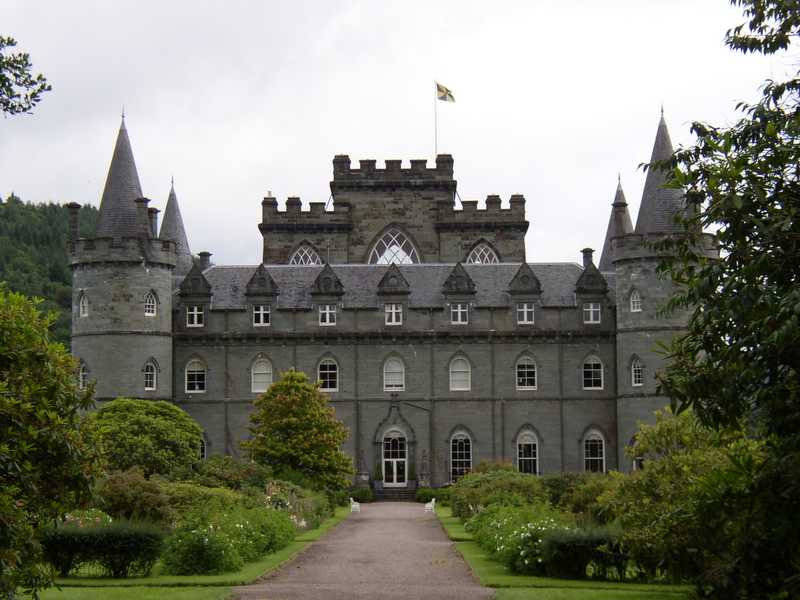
(261, 315)
(525, 313)
(591, 312)
(194, 315)
(327, 315)
(393, 313)
(459, 313)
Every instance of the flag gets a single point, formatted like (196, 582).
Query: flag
(443, 94)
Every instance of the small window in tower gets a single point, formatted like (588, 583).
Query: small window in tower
(150, 377)
(260, 376)
(83, 306)
(636, 301)
(637, 373)
(150, 305)
(483, 253)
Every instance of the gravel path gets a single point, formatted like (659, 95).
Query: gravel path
(390, 550)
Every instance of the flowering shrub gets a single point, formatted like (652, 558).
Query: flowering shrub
(87, 518)
(201, 550)
(473, 492)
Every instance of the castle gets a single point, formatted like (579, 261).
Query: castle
(438, 344)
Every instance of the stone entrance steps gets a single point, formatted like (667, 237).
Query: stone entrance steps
(395, 495)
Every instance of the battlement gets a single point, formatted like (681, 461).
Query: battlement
(293, 218)
(126, 249)
(493, 216)
(368, 176)
(635, 246)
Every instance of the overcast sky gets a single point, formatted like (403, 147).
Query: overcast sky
(235, 98)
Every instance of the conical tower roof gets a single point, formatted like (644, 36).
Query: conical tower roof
(659, 204)
(118, 206)
(172, 229)
(619, 223)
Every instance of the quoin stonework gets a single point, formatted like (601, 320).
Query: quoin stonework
(438, 344)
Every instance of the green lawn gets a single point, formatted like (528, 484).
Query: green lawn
(138, 593)
(523, 587)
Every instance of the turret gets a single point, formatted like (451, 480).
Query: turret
(172, 229)
(619, 224)
(122, 289)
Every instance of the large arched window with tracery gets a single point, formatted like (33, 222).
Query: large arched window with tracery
(394, 246)
(305, 255)
(483, 254)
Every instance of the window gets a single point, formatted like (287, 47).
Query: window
(260, 375)
(327, 314)
(483, 254)
(528, 453)
(393, 247)
(592, 374)
(83, 305)
(393, 313)
(261, 315)
(637, 373)
(83, 376)
(194, 315)
(328, 375)
(459, 313)
(460, 456)
(195, 377)
(460, 375)
(525, 313)
(150, 377)
(591, 312)
(394, 375)
(203, 449)
(594, 455)
(636, 301)
(305, 255)
(526, 373)
(150, 305)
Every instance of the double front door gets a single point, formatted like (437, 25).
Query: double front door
(394, 460)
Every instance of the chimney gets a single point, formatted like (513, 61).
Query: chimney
(587, 257)
(142, 218)
(74, 233)
(205, 260)
(152, 214)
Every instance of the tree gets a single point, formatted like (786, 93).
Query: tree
(740, 359)
(294, 429)
(20, 89)
(46, 465)
(154, 435)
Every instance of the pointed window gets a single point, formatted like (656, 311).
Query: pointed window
(594, 452)
(637, 373)
(460, 375)
(150, 305)
(203, 451)
(394, 247)
(83, 305)
(526, 373)
(528, 453)
(460, 455)
(150, 377)
(260, 376)
(636, 301)
(195, 377)
(394, 375)
(592, 374)
(305, 255)
(83, 376)
(483, 254)
(328, 375)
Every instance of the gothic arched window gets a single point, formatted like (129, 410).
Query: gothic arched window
(460, 375)
(636, 301)
(83, 306)
(150, 305)
(528, 453)
(637, 372)
(484, 254)
(305, 255)
(83, 376)
(394, 246)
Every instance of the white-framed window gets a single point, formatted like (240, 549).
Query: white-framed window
(591, 312)
(328, 375)
(83, 376)
(460, 455)
(483, 253)
(203, 451)
(260, 375)
(261, 315)
(592, 373)
(459, 313)
(636, 301)
(526, 373)
(304, 256)
(460, 375)
(637, 373)
(195, 377)
(528, 453)
(594, 452)
(394, 375)
(83, 305)
(393, 313)
(525, 313)
(394, 246)
(327, 315)
(194, 315)
(150, 305)
(150, 377)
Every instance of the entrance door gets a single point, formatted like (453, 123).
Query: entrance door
(394, 460)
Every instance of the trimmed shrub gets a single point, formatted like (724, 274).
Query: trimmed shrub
(474, 492)
(128, 495)
(560, 485)
(339, 497)
(190, 499)
(578, 553)
(204, 550)
(425, 494)
(362, 494)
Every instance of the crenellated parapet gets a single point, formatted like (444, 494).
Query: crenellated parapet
(153, 251)
(295, 220)
(636, 246)
(491, 218)
(393, 176)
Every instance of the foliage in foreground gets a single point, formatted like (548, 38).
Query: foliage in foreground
(475, 491)
(46, 466)
(20, 89)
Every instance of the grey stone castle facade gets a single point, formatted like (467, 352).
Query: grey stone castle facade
(439, 346)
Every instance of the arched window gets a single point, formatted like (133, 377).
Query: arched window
(195, 377)
(594, 452)
(203, 448)
(83, 376)
(305, 255)
(636, 301)
(637, 372)
(484, 254)
(394, 375)
(83, 305)
(526, 373)
(460, 375)
(150, 377)
(592, 373)
(528, 453)
(260, 375)
(150, 305)
(394, 246)
(328, 375)
(460, 455)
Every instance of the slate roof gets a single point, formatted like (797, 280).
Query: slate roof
(118, 216)
(172, 229)
(360, 282)
(618, 224)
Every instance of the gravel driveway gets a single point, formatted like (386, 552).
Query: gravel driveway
(389, 550)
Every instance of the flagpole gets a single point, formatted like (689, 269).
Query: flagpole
(435, 122)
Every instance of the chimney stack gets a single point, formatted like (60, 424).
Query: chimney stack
(205, 260)
(587, 257)
(73, 208)
(142, 217)
(152, 214)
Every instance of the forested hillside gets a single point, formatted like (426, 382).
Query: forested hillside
(33, 254)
